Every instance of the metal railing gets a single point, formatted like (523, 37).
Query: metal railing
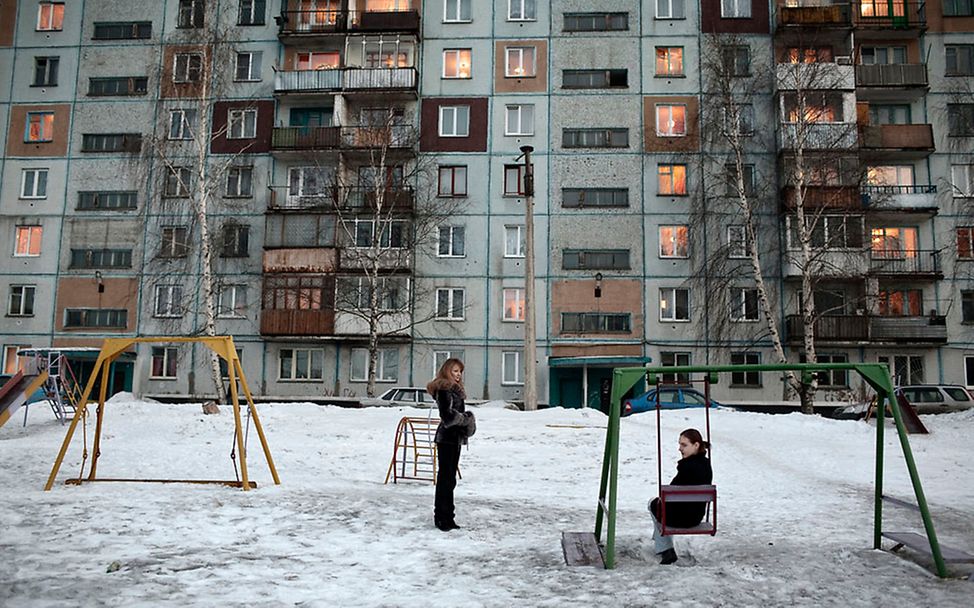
(349, 78)
(905, 262)
(863, 328)
(913, 189)
(398, 137)
(892, 75)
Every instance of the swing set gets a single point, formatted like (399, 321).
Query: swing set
(111, 349)
(587, 549)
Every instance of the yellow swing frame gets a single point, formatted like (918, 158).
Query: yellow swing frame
(111, 349)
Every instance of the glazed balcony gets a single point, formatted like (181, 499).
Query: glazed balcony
(818, 136)
(815, 76)
(349, 79)
(893, 20)
(310, 23)
(908, 263)
(871, 329)
(910, 199)
(844, 198)
(297, 304)
(815, 13)
(896, 141)
(891, 82)
(394, 137)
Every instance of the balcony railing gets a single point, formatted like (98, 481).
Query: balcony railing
(277, 322)
(908, 14)
(907, 262)
(818, 136)
(892, 75)
(305, 138)
(817, 76)
(815, 13)
(368, 198)
(865, 328)
(310, 22)
(825, 197)
(900, 198)
(347, 79)
(917, 138)
(393, 137)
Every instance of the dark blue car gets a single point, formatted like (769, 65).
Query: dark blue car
(670, 398)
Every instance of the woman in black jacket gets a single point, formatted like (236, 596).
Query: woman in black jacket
(452, 432)
(692, 470)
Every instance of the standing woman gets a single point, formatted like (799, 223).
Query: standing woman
(452, 432)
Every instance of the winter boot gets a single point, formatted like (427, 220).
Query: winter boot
(667, 557)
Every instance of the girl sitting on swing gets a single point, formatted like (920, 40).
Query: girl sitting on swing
(693, 469)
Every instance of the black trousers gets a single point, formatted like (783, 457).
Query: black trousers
(447, 461)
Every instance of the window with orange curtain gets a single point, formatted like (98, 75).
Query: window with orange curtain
(669, 61)
(674, 241)
(40, 127)
(27, 241)
(901, 303)
(50, 16)
(318, 61)
(820, 54)
(514, 304)
(672, 179)
(456, 63)
(818, 108)
(965, 242)
(387, 5)
(893, 242)
(671, 120)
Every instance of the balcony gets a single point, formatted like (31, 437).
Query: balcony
(834, 264)
(818, 136)
(300, 259)
(817, 14)
(891, 82)
(305, 138)
(394, 137)
(815, 76)
(901, 199)
(350, 79)
(309, 23)
(846, 198)
(317, 200)
(367, 199)
(896, 141)
(298, 304)
(900, 19)
(874, 329)
(297, 322)
(910, 263)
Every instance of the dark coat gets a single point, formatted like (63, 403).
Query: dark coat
(452, 420)
(692, 471)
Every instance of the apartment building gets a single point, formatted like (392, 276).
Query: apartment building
(333, 129)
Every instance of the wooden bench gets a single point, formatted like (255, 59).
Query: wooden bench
(919, 542)
(581, 549)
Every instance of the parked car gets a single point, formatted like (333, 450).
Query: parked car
(937, 398)
(670, 398)
(398, 396)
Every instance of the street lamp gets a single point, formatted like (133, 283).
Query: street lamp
(530, 328)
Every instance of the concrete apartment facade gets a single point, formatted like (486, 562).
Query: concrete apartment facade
(98, 101)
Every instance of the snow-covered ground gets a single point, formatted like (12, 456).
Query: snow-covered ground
(795, 513)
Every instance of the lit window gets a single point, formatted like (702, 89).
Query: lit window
(318, 61)
(50, 16)
(513, 304)
(669, 61)
(672, 179)
(671, 120)
(674, 241)
(456, 63)
(39, 127)
(27, 241)
(520, 62)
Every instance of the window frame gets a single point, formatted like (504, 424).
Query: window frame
(520, 52)
(670, 107)
(459, 55)
(515, 189)
(458, 111)
(190, 74)
(742, 309)
(519, 109)
(170, 245)
(25, 302)
(166, 301)
(253, 68)
(38, 183)
(670, 5)
(256, 13)
(738, 248)
(966, 174)
(235, 175)
(516, 300)
(190, 14)
(45, 122)
(518, 368)
(751, 379)
(175, 186)
(577, 21)
(293, 371)
(381, 365)
(451, 312)
(674, 242)
(234, 240)
(243, 120)
(238, 301)
(30, 251)
(453, 171)
(457, 17)
(46, 71)
(451, 231)
(54, 20)
(524, 7)
(182, 124)
(169, 359)
(521, 243)
(668, 62)
(671, 172)
(741, 9)
(674, 293)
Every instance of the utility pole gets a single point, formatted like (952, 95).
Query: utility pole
(530, 328)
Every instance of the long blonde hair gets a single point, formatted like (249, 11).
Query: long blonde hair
(443, 381)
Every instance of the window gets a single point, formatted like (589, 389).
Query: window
(355, 293)
(960, 60)
(596, 22)
(512, 371)
(965, 242)
(906, 369)
(27, 241)
(513, 304)
(111, 142)
(595, 322)
(45, 71)
(746, 176)
(519, 120)
(168, 301)
(115, 318)
(101, 258)
(39, 127)
(958, 8)
(107, 199)
(960, 119)
(240, 182)
(451, 242)
(738, 244)
(187, 67)
(456, 63)
(514, 180)
(672, 359)
(819, 107)
(163, 362)
(454, 121)
(293, 292)
(595, 79)
(744, 304)
(889, 114)
(671, 180)
(231, 301)
(309, 181)
(595, 138)
(735, 9)
(130, 30)
(519, 62)
(830, 232)
(452, 181)
(386, 365)
(440, 357)
(901, 303)
(962, 179)
(21, 303)
(122, 86)
(11, 365)
(595, 259)
(174, 242)
(521, 10)
(838, 378)
(671, 120)
(882, 55)
(674, 304)
(247, 68)
(893, 242)
(815, 54)
(190, 14)
(450, 303)
(736, 60)
(456, 11)
(670, 9)
(241, 124)
(674, 241)
(33, 183)
(967, 306)
(738, 119)
(514, 243)
(594, 197)
(301, 364)
(669, 61)
(317, 61)
(751, 378)
(889, 178)
(50, 16)
(236, 238)
(251, 12)
(394, 234)
(177, 182)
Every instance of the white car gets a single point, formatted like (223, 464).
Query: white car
(936, 398)
(400, 395)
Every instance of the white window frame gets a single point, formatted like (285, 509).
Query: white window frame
(182, 76)
(962, 180)
(516, 356)
(673, 241)
(735, 9)
(668, 313)
(46, 18)
(454, 296)
(242, 123)
(166, 302)
(229, 299)
(293, 372)
(31, 229)
(168, 353)
(457, 118)
(252, 67)
(31, 189)
(520, 245)
(519, 53)
(670, 122)
(667, 9)
(456, 17)
(739, 313)
(182, 123)
(440, 357)
(668, 54)
(737, 242)
(235, 181)
(21, 310)
(170, 245)
(383, 366)
(515, 297)
(174, 177)
(515, 117)
(522, 10)
(448, 236)
(458, 58)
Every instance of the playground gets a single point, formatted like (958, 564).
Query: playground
(796, 513)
